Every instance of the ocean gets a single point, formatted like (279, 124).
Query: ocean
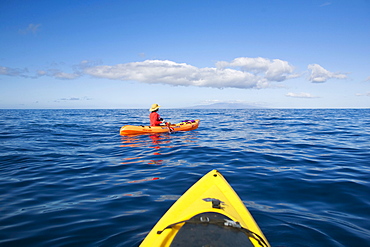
(67, 178)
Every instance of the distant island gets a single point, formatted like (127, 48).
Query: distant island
(223, 105)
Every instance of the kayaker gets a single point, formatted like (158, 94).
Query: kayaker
(155, 119)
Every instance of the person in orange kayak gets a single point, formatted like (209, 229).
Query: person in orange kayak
(155, 119)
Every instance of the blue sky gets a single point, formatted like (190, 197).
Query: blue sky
(131, 54)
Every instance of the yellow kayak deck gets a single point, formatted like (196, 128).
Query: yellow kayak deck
(210, 210)
(183, 126)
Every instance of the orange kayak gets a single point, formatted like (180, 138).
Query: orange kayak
(183, 126)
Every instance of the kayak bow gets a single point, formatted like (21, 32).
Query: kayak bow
(210, 213)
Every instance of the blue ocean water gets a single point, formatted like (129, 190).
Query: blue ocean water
(67, 178)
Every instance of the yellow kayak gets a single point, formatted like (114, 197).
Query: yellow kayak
(210, 213)
(183, 126)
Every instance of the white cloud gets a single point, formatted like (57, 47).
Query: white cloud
(66, 76)
(301, 95)
(12, 72)
(53, 73)
(368, 79)
(57, 74)
(272, 70)
(363, 94)
(172, 73)
(31, 28)
(254, 73)
(319, 74)
(41, 73)
(242, 72)
(87, 63)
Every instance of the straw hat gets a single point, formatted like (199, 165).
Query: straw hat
(154, 107)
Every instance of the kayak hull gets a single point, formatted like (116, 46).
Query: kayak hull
(199, 215)
(183, 126)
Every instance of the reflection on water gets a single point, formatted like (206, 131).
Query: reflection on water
(154, 141)
(140, 146)
(160, 141)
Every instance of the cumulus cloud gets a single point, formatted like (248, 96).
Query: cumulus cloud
(301, 95)
(242, 72)
(319, 74)
(172, 73)
(31, 28)
(253, 73)
(272, 70)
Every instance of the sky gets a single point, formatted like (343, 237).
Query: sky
(77, 54)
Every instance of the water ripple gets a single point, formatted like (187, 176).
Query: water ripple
(67, 178)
